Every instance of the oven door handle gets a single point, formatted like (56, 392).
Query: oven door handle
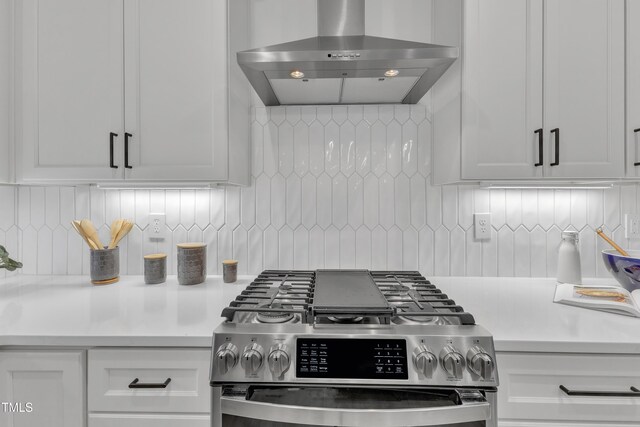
(437, 416)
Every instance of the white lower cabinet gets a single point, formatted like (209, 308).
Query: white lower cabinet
(529, 393)
(148, 420)
(44, 388)
(148, 387)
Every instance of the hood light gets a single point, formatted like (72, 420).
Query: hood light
(391, 73)
(297, 74)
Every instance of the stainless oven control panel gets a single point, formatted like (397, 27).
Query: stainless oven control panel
(444, 356)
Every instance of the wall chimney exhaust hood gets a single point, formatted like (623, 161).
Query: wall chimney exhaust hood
(343, 66)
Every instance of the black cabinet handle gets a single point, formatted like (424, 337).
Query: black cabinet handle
(126, 150)
(540, 148)
(633, 393)
(556, 131)
(136, 384)
(111, 141)
(636, 131)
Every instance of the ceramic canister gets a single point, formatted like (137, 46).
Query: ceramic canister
(104, 265)
(229, 270)
(155, 269)
(192, 263)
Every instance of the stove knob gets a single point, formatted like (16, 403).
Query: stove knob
(226, 357)
(452, 361)
(424, 361)
(480, 363)
(252, 359)
(279, 361)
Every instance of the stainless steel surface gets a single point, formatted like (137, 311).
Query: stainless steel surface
(226, 358)
(348, 292)
(436, 337)
(425, 361)
(104, 264)
(279, 360)
(340, 17)
(340, 54)
(480, 362)
(471, 406)
(252, 359)
(452, 361)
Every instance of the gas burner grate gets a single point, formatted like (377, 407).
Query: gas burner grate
(278, 296)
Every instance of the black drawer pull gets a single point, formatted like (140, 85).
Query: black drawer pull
(633, 393)
(636, 131)
(126, 150)
(111, 138)
(136, 384)
(557, 147)
(540, 148)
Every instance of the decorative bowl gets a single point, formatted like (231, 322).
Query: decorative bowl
(626, 270)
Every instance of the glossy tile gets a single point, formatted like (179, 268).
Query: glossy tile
(339, 203)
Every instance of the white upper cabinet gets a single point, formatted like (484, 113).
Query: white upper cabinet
(69, 83)
(176, 89)
(502, 90)
(633, 88)
(135, 90)
(541, 91)
(584, 88)
(5, 89)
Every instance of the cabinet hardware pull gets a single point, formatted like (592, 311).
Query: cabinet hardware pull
(136, 384)
(636, 131)
(556, 131)
(126, 150)
(111, 138)
(633, 393)
(540, 148)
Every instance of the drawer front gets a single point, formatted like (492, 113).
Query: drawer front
(529, 387)
(110, 373)
(148, 420)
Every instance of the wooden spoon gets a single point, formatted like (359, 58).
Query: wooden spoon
(611, 242)
(76, 225)
(124, 230)
(116, 226)
(91, 232)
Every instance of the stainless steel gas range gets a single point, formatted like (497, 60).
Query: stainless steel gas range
(350, 348)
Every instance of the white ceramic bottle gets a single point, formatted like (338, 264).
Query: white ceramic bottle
(569, 270)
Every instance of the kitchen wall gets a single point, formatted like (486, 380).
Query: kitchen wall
(332, 187)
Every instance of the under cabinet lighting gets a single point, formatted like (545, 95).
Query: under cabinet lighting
(555, 186)
(158, 186)
(297, 74)
(391, 73)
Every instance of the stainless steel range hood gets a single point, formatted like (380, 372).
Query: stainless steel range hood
(343, 66)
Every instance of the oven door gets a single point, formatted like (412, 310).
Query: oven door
(338, 406)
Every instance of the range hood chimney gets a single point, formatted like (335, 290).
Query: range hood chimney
(344, 66)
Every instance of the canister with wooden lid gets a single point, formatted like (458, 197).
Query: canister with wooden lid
(192, 263)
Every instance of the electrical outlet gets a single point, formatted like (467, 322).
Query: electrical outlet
(157, 226)
(482, 226)
(632, 226)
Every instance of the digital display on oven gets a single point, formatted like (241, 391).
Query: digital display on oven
(351, 358)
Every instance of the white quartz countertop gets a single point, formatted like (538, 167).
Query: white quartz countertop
(69, 311)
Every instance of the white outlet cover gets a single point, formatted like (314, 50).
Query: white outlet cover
(632, 226)
(482, 226)
(157, 226)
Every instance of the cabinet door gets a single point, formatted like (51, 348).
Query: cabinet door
(633, 87)
(584, 87)
(51, 382)
(68, 89)
(502, 89)
(176, 89)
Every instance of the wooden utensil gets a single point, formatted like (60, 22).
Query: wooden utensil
(76, 225)
(611, 242)
(116, 226)
(91, 232)
(124, 230)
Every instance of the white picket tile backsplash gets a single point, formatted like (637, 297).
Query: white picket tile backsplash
(332, 187)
